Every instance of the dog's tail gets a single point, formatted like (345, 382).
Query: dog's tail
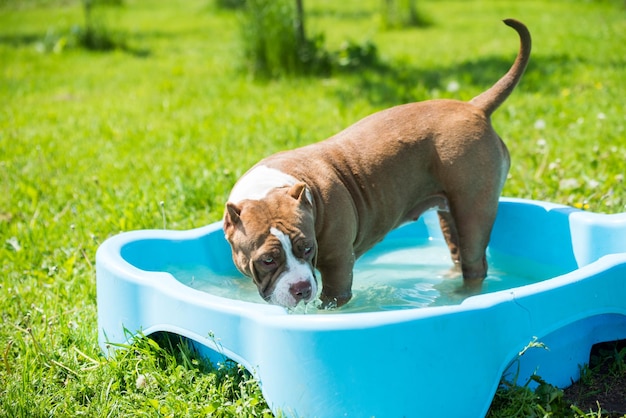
(491, 99)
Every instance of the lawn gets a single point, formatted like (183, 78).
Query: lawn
(96, 143)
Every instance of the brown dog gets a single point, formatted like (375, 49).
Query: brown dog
(324, 205)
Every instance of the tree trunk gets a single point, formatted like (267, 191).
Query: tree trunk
(300, 33)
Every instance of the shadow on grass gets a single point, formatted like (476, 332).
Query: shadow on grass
(386, 85)
(72, 39)
(21, 39)
(343, 14)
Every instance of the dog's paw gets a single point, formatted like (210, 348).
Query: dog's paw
(333, 302)
(470, 287)
(453, 273)
(328, 305)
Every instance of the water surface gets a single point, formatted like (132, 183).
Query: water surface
(398, 274)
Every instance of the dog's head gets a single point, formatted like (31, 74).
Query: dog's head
(273, 242)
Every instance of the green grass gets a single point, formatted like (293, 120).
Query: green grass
(91, 143)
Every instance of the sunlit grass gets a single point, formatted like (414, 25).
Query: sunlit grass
(91, 144)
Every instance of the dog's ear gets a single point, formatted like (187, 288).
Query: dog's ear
(231, 216)
(299, 191)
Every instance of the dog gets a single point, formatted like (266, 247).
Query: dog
(322, 206)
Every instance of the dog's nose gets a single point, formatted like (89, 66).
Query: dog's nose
(301, 290)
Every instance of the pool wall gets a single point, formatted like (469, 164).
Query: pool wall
(446, 360)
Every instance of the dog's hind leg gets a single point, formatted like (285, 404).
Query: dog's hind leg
(448, 228)
(473, 216)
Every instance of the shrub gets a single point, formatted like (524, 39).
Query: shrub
(402, 13)
(352, 55)
(96, 34)
(275, 43)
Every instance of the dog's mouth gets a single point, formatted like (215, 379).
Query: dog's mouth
(289, 292)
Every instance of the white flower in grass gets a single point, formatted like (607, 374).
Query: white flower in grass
(555, 164)
(141, 381)
(453, 86)
(601, 116)
(593, 183)
(540, 124)
(569, 184)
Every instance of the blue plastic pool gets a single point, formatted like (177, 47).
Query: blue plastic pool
(426, 353)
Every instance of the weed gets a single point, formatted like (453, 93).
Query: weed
(512, 400)
(611, 357)
(96, 34)
(402, 13)
(517, 399)
(352, 55)
(275, 43)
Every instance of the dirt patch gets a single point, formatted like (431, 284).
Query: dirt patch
(603, 382)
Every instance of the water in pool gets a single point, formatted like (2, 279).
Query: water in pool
(400, 274)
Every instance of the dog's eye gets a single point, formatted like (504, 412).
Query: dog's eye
(268, 261)
(303, 248)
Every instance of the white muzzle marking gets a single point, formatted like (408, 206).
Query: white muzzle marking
(296, 271)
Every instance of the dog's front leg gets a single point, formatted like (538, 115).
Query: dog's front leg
(336, 281)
